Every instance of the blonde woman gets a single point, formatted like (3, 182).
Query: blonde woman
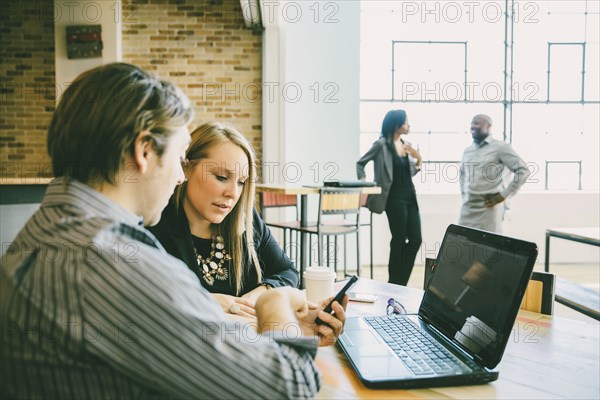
(210, 222)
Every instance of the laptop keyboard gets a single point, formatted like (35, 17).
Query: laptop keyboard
(419, 352)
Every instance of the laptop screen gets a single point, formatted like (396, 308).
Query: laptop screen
(476, 290)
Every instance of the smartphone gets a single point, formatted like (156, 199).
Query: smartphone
(338, 297)
(362, 297)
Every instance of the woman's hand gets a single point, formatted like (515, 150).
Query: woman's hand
(235, 305)
(329, 332)
(244, 321)
(255, 293)
(413, 152)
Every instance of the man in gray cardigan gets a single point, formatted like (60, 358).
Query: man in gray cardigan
(482, 168)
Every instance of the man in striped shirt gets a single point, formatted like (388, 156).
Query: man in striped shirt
(92, 306)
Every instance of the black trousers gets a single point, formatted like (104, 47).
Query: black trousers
(405, 225)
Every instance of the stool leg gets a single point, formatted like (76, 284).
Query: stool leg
(296, 248)
(345, 247)
(335, 259)
(327, 247)
(319, 249)
(371, 244)
(358, 251)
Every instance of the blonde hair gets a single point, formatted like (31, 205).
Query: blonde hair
(241, 218)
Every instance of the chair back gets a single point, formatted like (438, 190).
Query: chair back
(429, 267)
(339, 201)
(539, 296)
(278, 200)
(363, 200)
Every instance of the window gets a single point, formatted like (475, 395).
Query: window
(444, 62)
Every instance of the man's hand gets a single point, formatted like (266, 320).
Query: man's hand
(279, 307)
(334, 327)
(235, 305)
(491, 200)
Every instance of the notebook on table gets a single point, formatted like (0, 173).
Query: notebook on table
(464, 321)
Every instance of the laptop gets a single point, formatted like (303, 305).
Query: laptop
(349, 183)
(464, 321)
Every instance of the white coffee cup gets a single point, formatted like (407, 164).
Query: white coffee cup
(319, 283)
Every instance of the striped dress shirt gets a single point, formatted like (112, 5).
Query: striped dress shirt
(91, 306)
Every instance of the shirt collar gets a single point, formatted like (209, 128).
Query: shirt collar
(76, 194)
(484, 142)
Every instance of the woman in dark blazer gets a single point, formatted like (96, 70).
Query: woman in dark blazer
(210, 222)
(396, 162)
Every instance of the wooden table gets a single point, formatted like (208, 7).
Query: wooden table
(547, 357)
(304, 191)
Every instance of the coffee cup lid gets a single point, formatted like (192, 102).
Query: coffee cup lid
(319, 273)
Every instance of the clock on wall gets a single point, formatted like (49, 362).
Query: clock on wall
(84, 41)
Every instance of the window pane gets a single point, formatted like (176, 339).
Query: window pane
(566, 63)
(428, 78)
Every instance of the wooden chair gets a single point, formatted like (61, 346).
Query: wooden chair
(539, 296)
(370, 225)
(339, 215)
(278, 201)
(429, 267)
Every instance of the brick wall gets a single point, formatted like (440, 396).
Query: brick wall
(205, 48)
(26, 86)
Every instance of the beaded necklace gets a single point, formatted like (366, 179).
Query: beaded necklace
(212, 266)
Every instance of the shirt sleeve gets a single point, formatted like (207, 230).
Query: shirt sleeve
(369, 155)
(161, 328)
(511, 160)
(278, 268)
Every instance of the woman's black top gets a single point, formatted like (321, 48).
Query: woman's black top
(173, 232)
(402, 185)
